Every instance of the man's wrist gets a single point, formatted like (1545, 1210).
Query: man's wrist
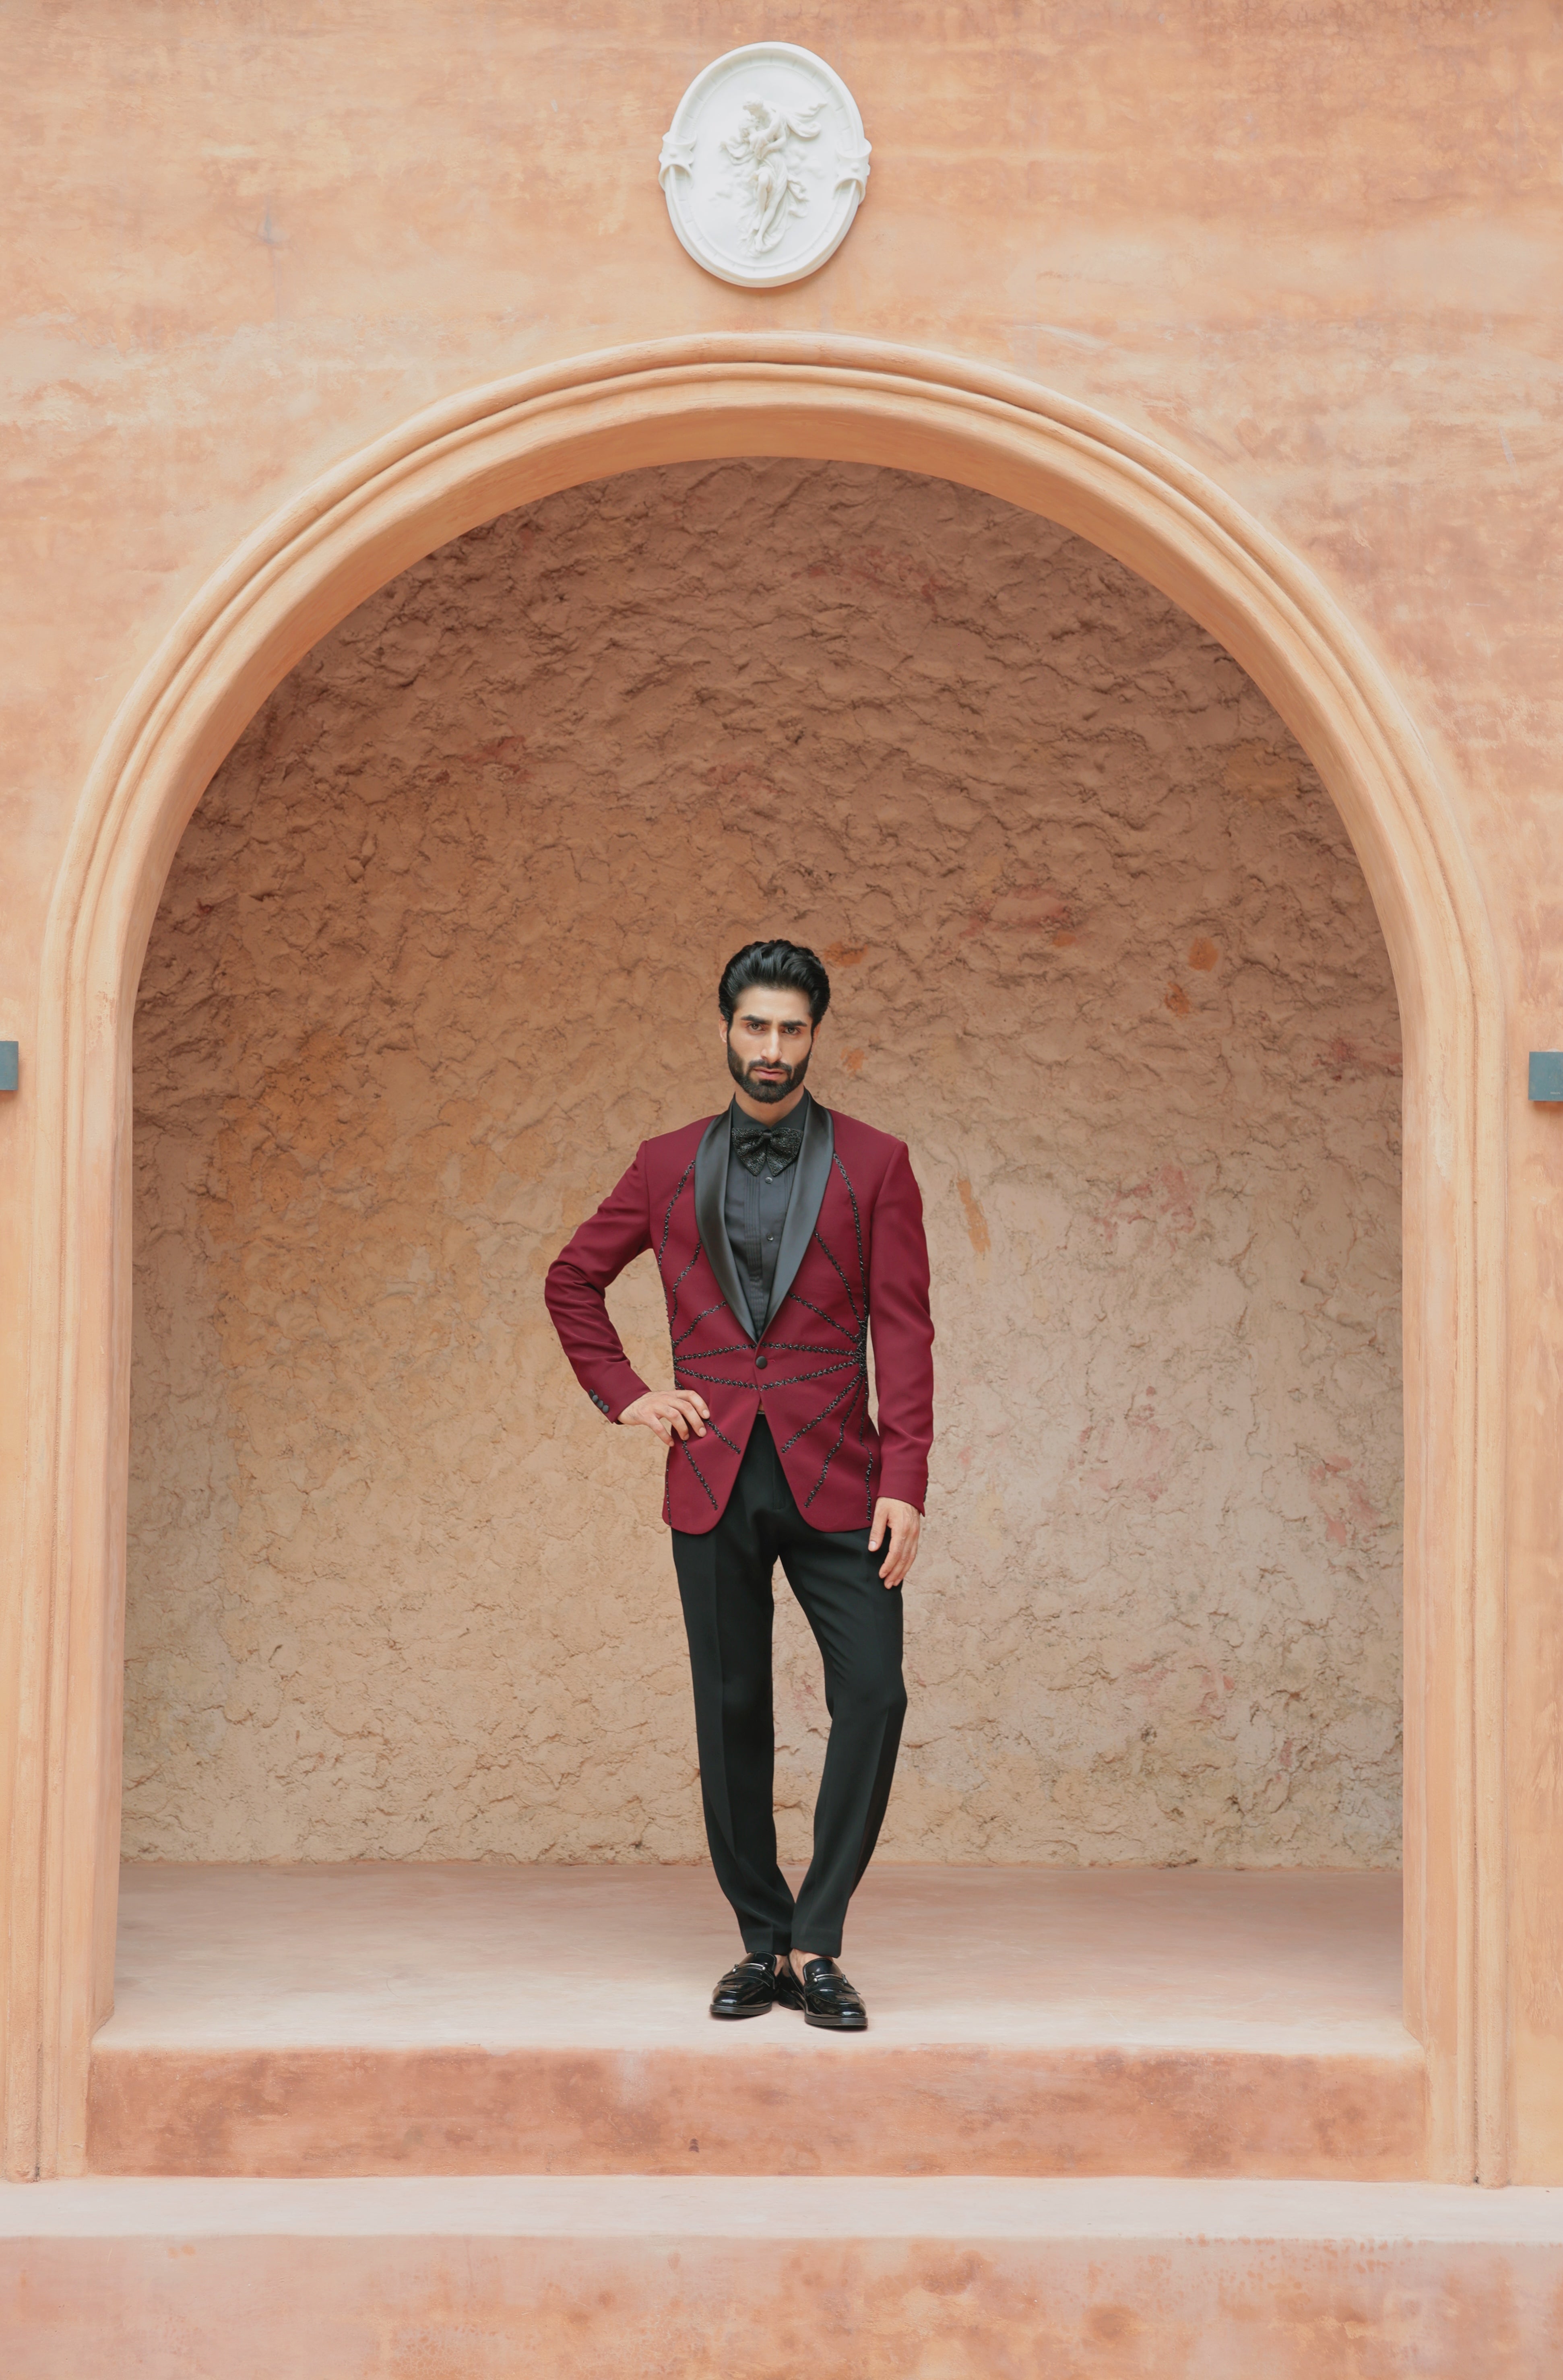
(627, 1393)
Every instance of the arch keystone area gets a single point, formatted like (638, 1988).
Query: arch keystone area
(443, 473)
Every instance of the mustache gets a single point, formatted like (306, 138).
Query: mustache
(749, 1078)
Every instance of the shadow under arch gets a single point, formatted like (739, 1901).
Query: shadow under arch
(482, 454)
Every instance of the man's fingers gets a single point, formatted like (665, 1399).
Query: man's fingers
(901, 1551)
(679, 1413)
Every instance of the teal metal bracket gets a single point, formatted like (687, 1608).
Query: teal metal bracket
(10, 1067)
(1546, 1075)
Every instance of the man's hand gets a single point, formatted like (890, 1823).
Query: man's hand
(904, 1524)
(666, 1410)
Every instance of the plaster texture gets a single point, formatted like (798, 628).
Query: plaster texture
(437, 948)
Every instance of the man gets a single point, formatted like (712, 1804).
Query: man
(783, 1235)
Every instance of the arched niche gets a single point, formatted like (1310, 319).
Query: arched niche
(484, 454)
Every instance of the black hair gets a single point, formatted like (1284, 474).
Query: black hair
(785, 966)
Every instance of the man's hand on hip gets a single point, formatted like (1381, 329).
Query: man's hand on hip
(666, 1410)
(904, 1523)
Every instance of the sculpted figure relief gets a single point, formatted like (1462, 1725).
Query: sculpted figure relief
(759, 149)
(764, 166)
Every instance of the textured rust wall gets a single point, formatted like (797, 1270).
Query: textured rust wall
(438, 947)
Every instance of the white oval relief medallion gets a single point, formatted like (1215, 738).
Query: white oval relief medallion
(766, 165)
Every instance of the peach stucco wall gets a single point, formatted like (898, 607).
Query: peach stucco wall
(439, 947)
(1311, 248)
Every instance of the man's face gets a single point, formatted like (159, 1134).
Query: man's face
(768, 1044)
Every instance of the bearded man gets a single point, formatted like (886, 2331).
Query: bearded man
(787, 1237)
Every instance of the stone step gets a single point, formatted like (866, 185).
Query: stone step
(770, 2278)
(841, 2108)
(489, 2019)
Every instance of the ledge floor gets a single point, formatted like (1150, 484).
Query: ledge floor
(433, 2019)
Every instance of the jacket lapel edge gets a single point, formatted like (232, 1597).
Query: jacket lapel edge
(808, 1187)
(710, 1187)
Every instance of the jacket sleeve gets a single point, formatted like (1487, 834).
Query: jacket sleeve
(607, 1241)
(903, 1333)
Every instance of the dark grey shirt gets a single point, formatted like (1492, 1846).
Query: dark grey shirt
(754, 1210)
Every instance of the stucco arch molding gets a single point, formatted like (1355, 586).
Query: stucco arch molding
(481, 454)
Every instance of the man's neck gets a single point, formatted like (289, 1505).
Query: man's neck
(762, 1113)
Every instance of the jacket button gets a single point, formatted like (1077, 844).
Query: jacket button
(759, 1363)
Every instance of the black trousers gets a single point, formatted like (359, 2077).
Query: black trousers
(725, 1584)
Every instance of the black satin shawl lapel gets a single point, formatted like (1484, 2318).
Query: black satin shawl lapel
(809, 1179)
(711, 1220)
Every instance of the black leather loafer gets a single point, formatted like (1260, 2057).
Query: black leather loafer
(747, 1989)
(827, 1999)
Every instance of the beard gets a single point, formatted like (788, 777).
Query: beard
(769, 1095)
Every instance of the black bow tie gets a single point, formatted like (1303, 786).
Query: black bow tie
(761, 1147)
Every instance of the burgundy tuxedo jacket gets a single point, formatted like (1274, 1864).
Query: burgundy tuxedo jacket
(852, 1258)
